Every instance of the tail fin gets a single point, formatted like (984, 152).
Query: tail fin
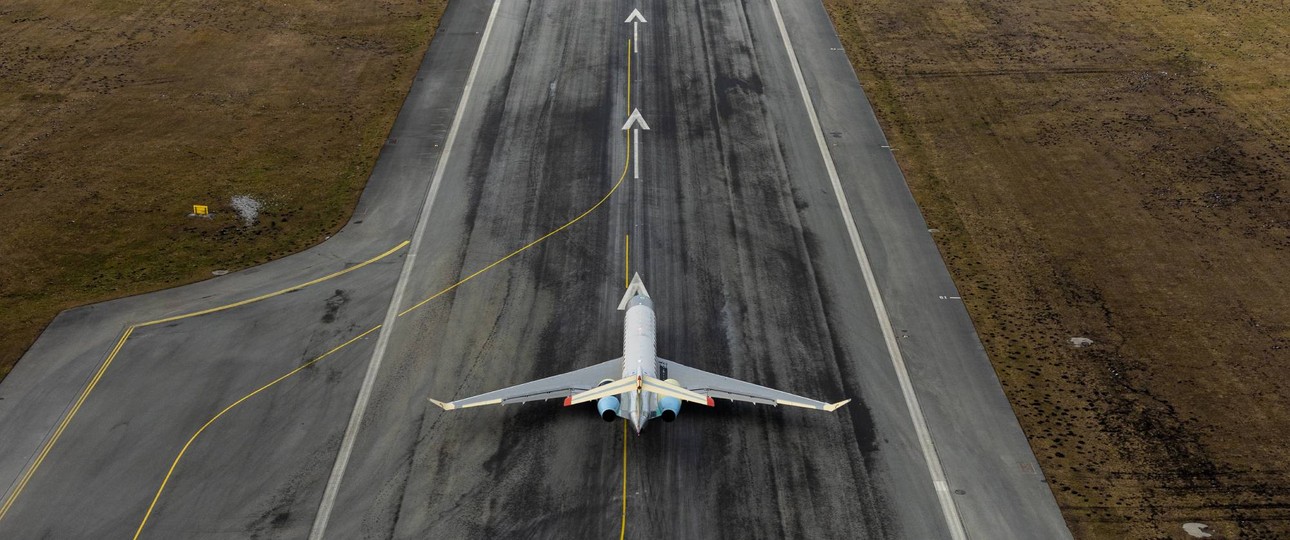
(636, 288)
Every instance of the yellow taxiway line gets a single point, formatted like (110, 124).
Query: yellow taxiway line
(107, 362)
(292, 288)
(217, 416)
(622, 529)
(623, 176)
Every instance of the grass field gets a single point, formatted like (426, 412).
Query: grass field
(1118, 171)
(116, 116)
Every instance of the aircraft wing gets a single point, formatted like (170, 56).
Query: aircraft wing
(717, 386)
(556, 386)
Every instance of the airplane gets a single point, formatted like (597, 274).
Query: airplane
(639, 386)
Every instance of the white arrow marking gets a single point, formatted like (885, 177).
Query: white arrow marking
(636, 151)
(634, 119)
(635, 18)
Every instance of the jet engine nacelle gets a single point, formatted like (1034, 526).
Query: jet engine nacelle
(668, 408)
(608, 407)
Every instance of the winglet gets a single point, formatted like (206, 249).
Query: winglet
(442, 405)
(568, 401)
(636, 288)
(834, 406)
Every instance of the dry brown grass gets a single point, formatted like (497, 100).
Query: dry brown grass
(117, 115)
(1116, 170)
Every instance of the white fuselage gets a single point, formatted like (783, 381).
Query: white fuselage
(640, 358)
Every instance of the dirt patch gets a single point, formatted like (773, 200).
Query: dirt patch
(117, 116)
(1115, 171)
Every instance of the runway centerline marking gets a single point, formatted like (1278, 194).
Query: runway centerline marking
(636, 18)
(951, 514)
(635, 123)
(25, 478)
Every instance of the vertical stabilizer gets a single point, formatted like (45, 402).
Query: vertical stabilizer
(635, 288)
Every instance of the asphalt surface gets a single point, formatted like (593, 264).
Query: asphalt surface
(736, 230)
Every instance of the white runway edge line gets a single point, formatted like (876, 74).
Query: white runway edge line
(948, 507)
(391, 314)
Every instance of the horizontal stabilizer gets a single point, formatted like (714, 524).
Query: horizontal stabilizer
(664, 388)
(619, 386)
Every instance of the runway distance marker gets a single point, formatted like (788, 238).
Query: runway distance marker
(949, 508)
(107, 362)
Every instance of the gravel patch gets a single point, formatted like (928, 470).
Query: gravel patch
(247, 208)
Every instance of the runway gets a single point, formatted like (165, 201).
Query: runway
(129, 419)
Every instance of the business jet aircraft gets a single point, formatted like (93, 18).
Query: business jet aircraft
(639, 386)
